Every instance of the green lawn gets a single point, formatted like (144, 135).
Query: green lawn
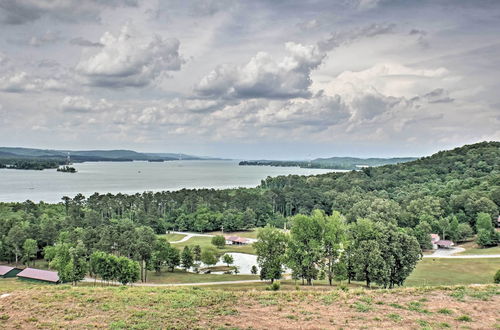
(180, 276)
(453, 271)
(205, 242)
(482, 251)
(172, 237)
(247, 234)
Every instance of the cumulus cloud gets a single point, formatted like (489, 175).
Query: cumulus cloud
(20, 82)
(264, 76)
(338, 39)
(126, 60)
(80, 104)
(24, 11)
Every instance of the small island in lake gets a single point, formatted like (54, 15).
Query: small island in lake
(67, 169)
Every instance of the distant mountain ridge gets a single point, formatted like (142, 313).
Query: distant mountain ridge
(92, 155)
(337, 163)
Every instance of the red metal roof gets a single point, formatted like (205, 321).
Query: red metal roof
(38, 274)
(236, 239)
(444, 242)
(5, 269)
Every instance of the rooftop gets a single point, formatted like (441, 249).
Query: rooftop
(5, 269)
(38, 274)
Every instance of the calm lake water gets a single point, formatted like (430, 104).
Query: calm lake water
(133, 177)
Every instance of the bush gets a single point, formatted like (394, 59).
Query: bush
(496, 279)
(219, 241)
(275, 286)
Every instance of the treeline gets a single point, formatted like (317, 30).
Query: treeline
(301, 164)
(30, 164)
(442, 194)
(320, 246)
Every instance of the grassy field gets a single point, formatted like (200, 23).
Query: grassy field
(205, 242)
(172, 237)
(180, 276)
(24, 305)
(453, 271)
(481, 251)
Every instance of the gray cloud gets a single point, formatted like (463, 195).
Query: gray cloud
(84, 42)
(23, 11)
(338, 39)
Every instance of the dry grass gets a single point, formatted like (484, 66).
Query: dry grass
(47, 306)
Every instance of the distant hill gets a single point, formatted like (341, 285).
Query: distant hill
(90, 155)
(338, 163)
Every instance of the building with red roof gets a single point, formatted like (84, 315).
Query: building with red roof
(7, 271)
(38, 275)
(236, 240)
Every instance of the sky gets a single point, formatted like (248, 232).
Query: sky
(253, 79)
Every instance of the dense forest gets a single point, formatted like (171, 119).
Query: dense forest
(443, 193)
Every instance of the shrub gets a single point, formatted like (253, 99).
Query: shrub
(275, 286)
(464, 318)
(219, 241)
(496, 279)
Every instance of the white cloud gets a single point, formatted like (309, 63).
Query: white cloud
(265, 77)
(126, 60)
(20, 82)
(80, 104)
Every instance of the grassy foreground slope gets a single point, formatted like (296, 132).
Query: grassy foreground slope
(29, 306)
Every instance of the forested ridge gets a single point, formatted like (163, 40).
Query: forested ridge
(442, 193)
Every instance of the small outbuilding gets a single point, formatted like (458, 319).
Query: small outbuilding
(444, 244)
(38, 275)
(434, 239)
(236, 240)
(7, 271)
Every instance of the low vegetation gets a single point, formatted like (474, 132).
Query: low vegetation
(30, 306)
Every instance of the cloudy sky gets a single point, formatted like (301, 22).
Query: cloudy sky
(250, 79)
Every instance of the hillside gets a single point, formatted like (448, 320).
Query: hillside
(33, 306)
(89, 155)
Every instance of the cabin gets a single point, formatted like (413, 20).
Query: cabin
(435, 238)
(38, 275)
(445, 244)
(236, 240)
(7, 271)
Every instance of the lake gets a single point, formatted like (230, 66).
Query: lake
(134, 177)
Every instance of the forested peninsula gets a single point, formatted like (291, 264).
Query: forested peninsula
(336, 163)
(448, 193)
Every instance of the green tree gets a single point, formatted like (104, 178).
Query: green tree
(128, 271)
(254, 270)
(219, 241)
(197, 253)
(30, 249)
(209, 257)
(334, 240)
(228, 259)
(145, 241)
(16, 237)
(271, 247)
(187, 260)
